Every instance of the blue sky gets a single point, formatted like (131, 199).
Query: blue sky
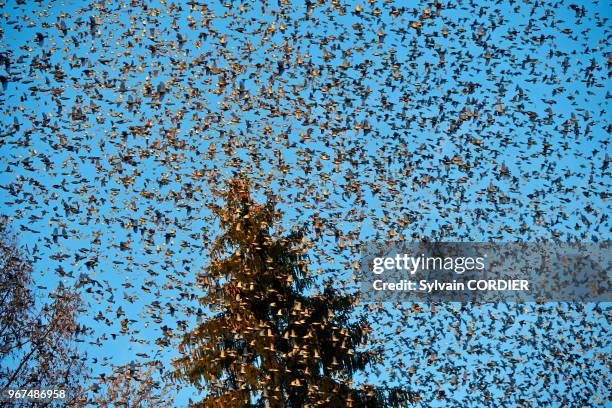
(476, 99)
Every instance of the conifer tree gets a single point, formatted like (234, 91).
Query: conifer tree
(269, 340)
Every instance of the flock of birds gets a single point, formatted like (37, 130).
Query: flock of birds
(366, 121)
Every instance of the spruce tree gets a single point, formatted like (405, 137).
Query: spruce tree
(268, 340)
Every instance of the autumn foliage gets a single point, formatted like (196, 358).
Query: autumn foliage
(270, 338)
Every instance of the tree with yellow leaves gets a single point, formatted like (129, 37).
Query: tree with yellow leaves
(269, 339)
